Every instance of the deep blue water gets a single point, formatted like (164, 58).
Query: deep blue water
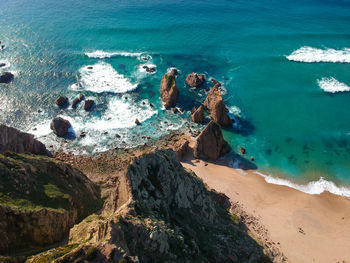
(293, 127)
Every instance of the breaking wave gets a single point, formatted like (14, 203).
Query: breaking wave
(313, 55)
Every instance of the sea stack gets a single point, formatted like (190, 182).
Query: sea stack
(168, 90)
(60, 126)
(197, 115)
(216, 106)
(210, 143)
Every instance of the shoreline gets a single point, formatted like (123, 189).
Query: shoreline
(304, 227)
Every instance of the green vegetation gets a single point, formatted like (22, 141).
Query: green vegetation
(91, 253)
(53, 254)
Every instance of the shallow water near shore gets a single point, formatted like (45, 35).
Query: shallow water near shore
(285, 66)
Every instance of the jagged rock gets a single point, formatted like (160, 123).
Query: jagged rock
(160, 212)
(62, 101)
(6, 77)
(216, 106)
(14, 140)
(215, 83)
(197, 115)
(210, 143)
(75, 103)
(195, 80)
(41, 199)
(168, 90)
(175, 110)
(88, 105)
(180, 147)
(60, 126)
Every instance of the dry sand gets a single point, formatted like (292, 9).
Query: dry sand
(307, 228)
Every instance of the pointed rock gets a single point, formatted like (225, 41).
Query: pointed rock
(198, 115)
(210, 143)
(168, 90)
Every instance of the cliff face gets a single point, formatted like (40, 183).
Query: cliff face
(40, 200)
(14, 140)
(160, 212)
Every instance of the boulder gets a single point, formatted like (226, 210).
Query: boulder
(168, 90)
(195, 80)
(6, 77)
(62, 101)
(88, 104)
(216, 106)
(137, 122)
(14, 140)
(75, 103)
(210, 143)
(60, 126)
(197, 115)
(2, 65)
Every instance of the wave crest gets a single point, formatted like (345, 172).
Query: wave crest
(104, 54)
(313, 55)
(332, 85)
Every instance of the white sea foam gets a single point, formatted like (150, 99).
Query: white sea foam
(311, 55)
(104, 54)
(102, 77)
(314, 187)
(332, 85)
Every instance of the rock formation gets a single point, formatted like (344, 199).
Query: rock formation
(6, 77)
(14, 140)
(88, 105)
(216, 106)
(62, 101)
(40, 200)
(168, 90)
(210, 143)
(158, 212)
(60, 126)
(197, 115)
(195, 80)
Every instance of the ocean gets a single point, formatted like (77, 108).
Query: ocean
(284, 66)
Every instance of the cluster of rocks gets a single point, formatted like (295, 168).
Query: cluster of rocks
(149, 69)
(62, 101)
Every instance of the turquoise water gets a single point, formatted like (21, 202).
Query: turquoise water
(293, 127)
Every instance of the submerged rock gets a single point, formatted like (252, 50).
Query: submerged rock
(14, 140)
(168, 90)
(62, 101)
(197, 115)
(195, 80)
(217, 108)
(210, 143)
(60, 126)
(42, 199)
(6, 77)
(2, 65)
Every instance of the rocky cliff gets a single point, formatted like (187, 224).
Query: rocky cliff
(40, 200)
(158, 212)
(14, 140)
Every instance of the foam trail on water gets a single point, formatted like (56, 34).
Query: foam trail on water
(102, 77)
(314, 187)
(313, 55)
(104, 54)
(332, 85)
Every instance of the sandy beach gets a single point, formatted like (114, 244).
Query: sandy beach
(306, 228)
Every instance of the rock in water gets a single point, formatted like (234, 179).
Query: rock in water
(41, 199)
(198, 115)
(2, 65)
(6, 77)
(210, 143)
(62, 101)
(216, 106)
(88, 105)
(60, 126)
(195, 80)
(75, 103)
(14, 140)
(168, 90)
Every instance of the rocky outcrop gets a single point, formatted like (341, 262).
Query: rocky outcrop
(210, 143)
(159, 212)
(6, 77)
(62, 101)
(76, 101)
(14, 140)
(180, 147)
(60, 126)
(88, 105)
(216, 106)
(197, 115)
(40, 200)
(168, 90)
(195, 80)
